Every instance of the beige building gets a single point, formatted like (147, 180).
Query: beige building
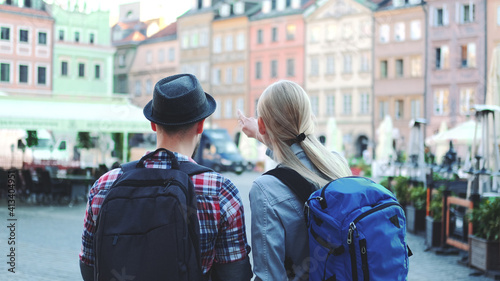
(229, 62)
(338, 71)
(156, 57)
(493, 29)
(399, 80)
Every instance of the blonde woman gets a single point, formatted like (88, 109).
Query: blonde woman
(279, 232)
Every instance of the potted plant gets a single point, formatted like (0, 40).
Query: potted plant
(433, 222)
(415, 212)
(484, 244)
(400, 189)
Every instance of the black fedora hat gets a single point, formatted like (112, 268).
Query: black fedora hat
(179, 100)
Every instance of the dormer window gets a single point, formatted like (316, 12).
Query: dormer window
(239, 8)
(225, 10)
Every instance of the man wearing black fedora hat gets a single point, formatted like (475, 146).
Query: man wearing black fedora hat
(177, 113)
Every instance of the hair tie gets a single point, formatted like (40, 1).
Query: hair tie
(301, 137)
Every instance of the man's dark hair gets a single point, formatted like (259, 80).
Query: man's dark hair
(174, 129)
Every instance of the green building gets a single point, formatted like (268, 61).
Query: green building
(83, 54)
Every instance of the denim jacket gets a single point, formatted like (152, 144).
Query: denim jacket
(279, 230)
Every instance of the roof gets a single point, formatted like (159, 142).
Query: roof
(286, 12)
(168, 31)
(29, 12)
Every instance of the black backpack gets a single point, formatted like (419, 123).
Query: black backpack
(147, 227)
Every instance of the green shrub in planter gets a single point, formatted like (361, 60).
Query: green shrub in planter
(401, 190)
(436, 206)
(486, 219)
(418, 197)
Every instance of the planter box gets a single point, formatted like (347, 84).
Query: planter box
(432, 232)
(484, 254)
(415, 219)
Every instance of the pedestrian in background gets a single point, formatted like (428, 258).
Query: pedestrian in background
(279, 232)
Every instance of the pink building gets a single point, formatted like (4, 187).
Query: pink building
(25, 49)
(277, 40)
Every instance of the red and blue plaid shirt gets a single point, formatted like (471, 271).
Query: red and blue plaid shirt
(220, 212)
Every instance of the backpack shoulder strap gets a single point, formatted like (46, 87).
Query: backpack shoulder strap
(192, 168)
(129, 166)
(297, 183)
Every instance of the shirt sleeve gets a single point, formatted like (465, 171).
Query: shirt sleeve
(268, 236)
(231, 244)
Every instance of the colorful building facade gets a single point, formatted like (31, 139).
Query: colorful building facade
(83, 55)
(399, 70)
(26, 48)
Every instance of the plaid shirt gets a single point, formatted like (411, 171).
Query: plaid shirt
(220, 213)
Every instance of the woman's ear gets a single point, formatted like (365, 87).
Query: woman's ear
(262, 126)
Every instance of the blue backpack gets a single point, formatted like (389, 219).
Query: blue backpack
(147, 228)
(357, 229)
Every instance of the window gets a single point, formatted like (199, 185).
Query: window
(27, 3)
(315, 34)
(91, 38)
(383, 107)
(61, 35)
(365, 103)
(347, 31)
(416, 66)
(415, 30)
(204, 69)
(97, 71)
(240, 42)
(149, 57)
(384, 33)
(229, 75)
(467, 13)
(330, 64)
(330, 105)
(383, 69)
(23, 74)
(399, 68)
(365, 62)
(161, 55)
(442, 57)
(331, 32)
(228, 109)
(194, 40)
(217, 44)
(42, 78)
(216, 75)
(42, 38)
(440, 16)
(171, 54)
(258, 70)
(415, 108)
(64, 68)
(81, 70)
(398, 110)
(314, 105)
(347, 63)
(274, 68)
(466, 100)
(365, 28)
(290, 67)
(347, 104)
(399, 31)
(468, 55)
(314, 66)
(121, 60)
(229, 42)
(5, 33)
(23, 35)
(137, 88)
(149, 87)
(290, 31)
(441, 102)
(185, 41)
(77, 36)
(203, 38)
(260, 35)
(274, 34)
(240, 74)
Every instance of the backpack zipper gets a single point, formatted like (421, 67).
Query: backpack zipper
(362, 245)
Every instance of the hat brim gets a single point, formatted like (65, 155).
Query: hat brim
(210, 108)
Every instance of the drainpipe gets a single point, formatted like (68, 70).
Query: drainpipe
(373, 84)
(486, 59)
(426, 52)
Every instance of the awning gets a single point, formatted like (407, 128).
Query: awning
(102, 115)
(460, 134)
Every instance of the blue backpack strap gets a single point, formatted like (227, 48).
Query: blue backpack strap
(297, 183)
(191, 168)
(129, 166)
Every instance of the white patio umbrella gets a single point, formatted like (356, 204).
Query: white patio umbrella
(385, 150)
